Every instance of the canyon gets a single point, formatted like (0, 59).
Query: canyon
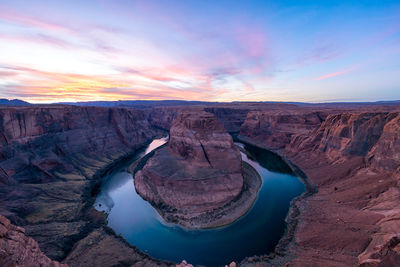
(350, 162)
(53, 156)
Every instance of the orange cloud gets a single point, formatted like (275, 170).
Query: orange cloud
(43, 86)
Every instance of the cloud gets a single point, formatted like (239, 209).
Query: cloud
(319, 54)
(44, 31)
(6, 74)
(39, 85)
(39, 39)
(14, 17)
(335, 74)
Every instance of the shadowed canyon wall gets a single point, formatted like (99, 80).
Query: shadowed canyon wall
(50, 159)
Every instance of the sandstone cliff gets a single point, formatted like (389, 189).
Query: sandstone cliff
(163, 117)
(351, 158)
(231, 118)
(16, 249)
(50, 159)
(275, 129)
(198, 172)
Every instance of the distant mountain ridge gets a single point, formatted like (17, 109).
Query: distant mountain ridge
(138, 103)
(13, 102)
(165, 103)
(168, 103)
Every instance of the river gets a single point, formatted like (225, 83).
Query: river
(256, 233)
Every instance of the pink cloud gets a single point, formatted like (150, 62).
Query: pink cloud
(38, 39)
(252, 41)
(49, 28)
(319, 54)
(334, 74)
(7, 74)
(22, 19)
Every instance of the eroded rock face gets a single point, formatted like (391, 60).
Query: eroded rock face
(200, 139)
(163, 117)
(16, 249)
(351, 158)
(386, 152)
(348, 134)
(199, 170)
(49, 157)
(34, 142)
(276, 129)
(102, 249)
(231, 118)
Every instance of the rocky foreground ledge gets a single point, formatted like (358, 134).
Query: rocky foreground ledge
(199, 179)
(19, 250)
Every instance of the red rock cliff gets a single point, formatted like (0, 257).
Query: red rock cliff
(199, 170)
(16, 249)
(352, 158)
(49, 156)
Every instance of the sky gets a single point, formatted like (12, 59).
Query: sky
(308, 51)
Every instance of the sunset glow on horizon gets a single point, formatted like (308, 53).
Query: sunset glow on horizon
(65, 51)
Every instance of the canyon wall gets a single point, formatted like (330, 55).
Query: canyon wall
(351, 158)
(35, 143)
(50, 159)
(231, 118)
(163, 117)
(275, 129)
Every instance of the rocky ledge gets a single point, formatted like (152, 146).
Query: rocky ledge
(198, 180)
(19, 250)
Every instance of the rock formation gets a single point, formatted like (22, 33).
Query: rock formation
(275, 129)
(231, 118)
(198, 172)
(351, 160)
(50, 159)
(16, 249)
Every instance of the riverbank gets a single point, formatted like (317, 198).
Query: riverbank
(292, 217)
(83, 253)
(350, 214)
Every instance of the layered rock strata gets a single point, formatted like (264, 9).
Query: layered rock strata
(351, 160)
(16, 249)
(50, 159)
(194, 179)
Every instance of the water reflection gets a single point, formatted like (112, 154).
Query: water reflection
(255, 233)
(118, 180)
